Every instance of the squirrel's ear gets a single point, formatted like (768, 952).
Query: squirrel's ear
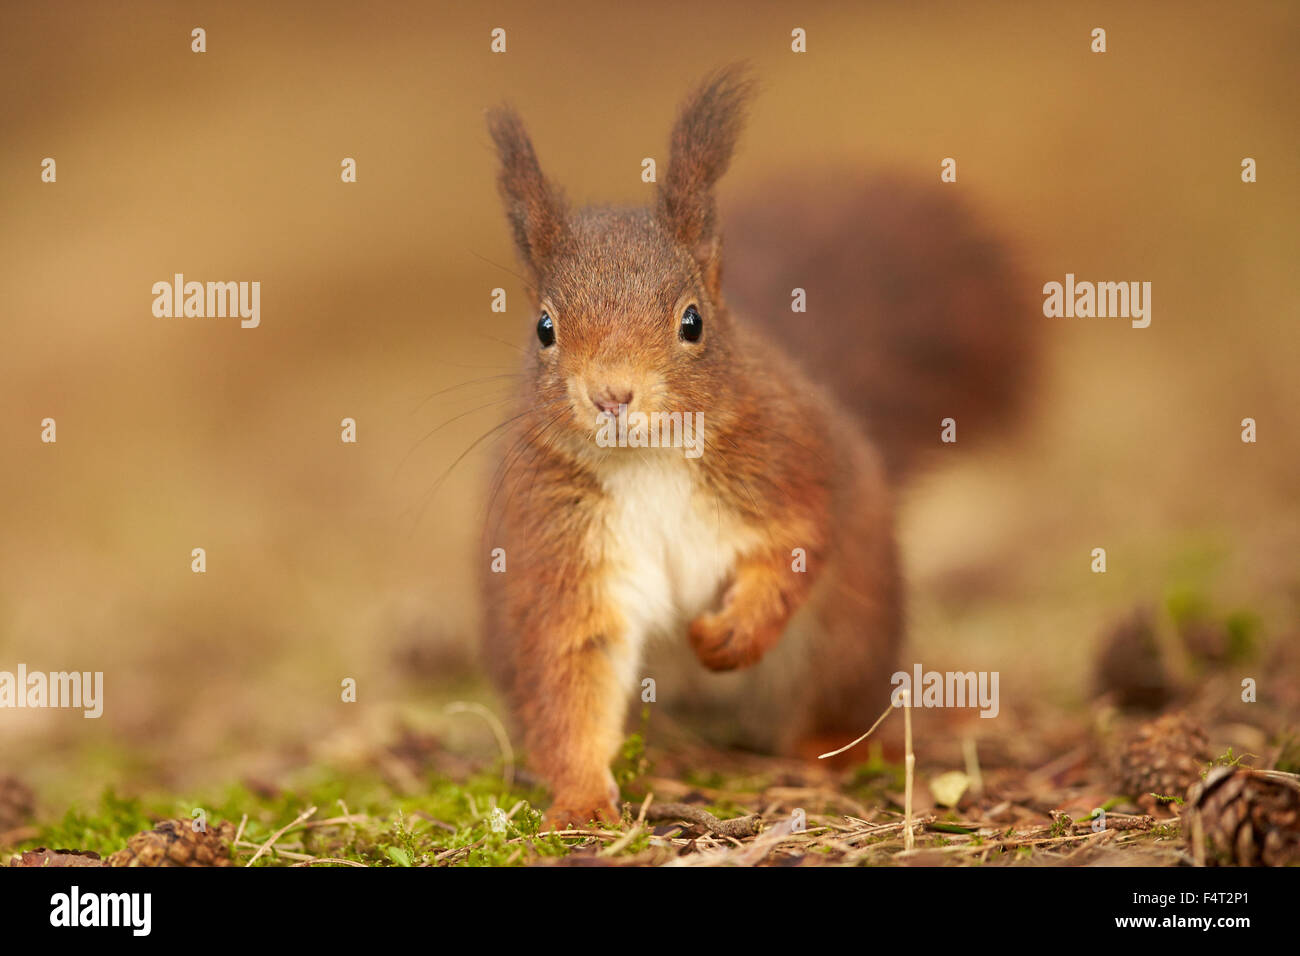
(703, 140)
(536, 209)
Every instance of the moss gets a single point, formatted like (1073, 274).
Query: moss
(1288, 760)
(1243, 629)
(103, 828)
(875, 776)
(1186, 606)
(424, 829)
(1227, 759)
(631, 763)
(709, 779)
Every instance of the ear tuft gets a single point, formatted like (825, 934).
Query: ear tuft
(704, 137)
(535, 208)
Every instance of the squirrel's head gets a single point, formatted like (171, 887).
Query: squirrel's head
(627, 303)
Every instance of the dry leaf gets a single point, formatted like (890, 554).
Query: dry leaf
(947, 788)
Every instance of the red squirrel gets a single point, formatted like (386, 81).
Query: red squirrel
(776, 541)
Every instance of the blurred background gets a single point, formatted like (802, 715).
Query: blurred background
(327, 560)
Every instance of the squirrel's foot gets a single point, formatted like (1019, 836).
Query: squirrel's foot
(736, 636)
(576, 808)
(571, 814)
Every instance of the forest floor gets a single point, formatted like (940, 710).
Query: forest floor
(1091, 789)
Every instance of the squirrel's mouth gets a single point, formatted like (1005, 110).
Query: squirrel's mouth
(626, 428)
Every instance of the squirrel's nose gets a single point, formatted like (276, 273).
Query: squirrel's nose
(608, 398)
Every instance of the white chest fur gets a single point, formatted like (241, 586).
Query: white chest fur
(669, 545)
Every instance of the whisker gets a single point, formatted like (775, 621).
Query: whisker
(544, 445)
(454, 418)
(472, 381)
(517, 450)
(523, 279)
(433, 491)
(428, 495)
(512, 345)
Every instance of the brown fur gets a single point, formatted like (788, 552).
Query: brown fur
(914, 314)
(784, 468)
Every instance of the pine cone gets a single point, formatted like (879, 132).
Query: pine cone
(17, 803)
(1166, 756)
(1248, 817)
(174, 843)
(1130, 665)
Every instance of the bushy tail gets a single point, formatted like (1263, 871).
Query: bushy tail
(915, 313)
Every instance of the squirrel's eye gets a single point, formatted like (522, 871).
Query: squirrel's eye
(545, 331)
(692, 325)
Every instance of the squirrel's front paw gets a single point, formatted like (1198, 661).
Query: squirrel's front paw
(729, 638)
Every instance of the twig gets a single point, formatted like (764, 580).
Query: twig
(329, 859)
(909, 765)
(498, 731)
(618, 845)
(1120, 821)
(872, 831)
(645, 805)
(765, 844)
(347, 813)
(745, 826)
(335, 821)
(446, 854)
(287, 854)
(279, 833)
(879, 720)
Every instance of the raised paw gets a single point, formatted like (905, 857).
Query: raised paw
(729, 639)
